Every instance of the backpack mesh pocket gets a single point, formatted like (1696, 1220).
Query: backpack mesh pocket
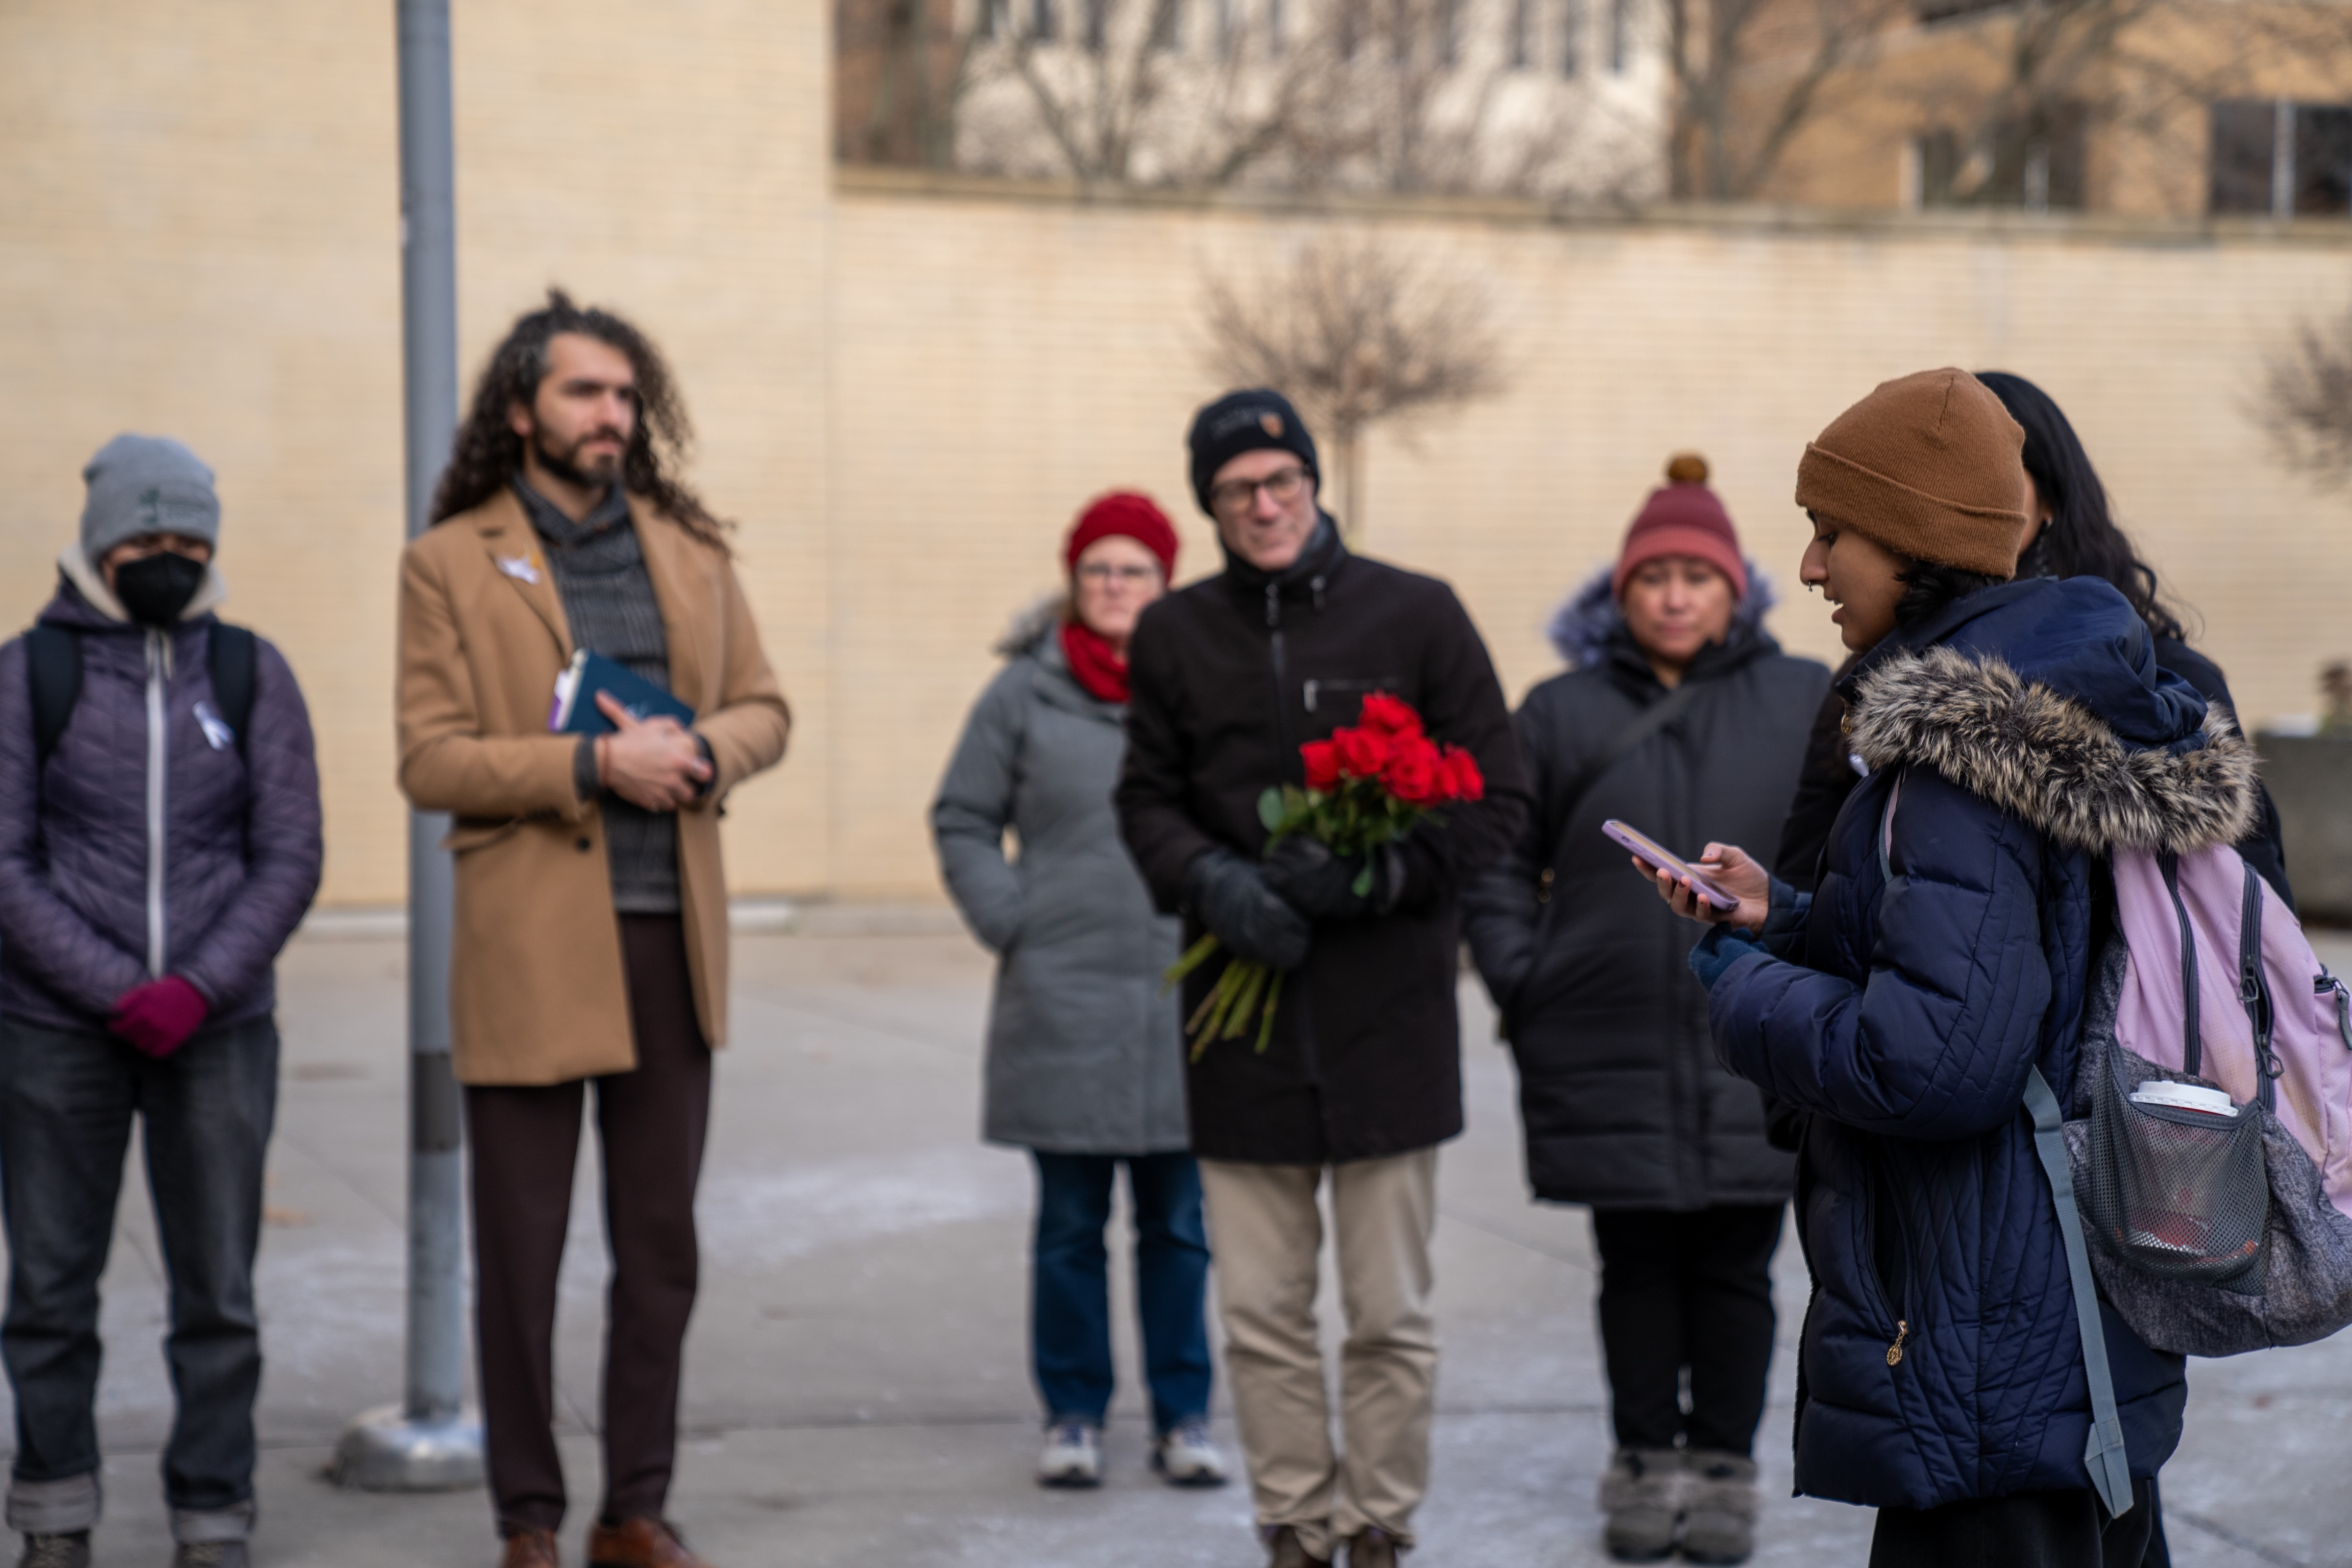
(2179, 1194)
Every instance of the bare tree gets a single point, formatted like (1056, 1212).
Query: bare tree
(1358, 334)
(1378, 96)
(2304, 405)
(1749, 75)
(1117, 94)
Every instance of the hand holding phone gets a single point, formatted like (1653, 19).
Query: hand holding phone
(1725, 886)
(1651, 853)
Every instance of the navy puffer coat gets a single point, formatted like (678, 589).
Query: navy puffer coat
(2028, 731)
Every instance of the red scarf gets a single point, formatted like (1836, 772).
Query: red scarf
(1101, 672)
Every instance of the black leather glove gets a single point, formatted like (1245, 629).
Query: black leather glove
(1322, 886)
(1230, 897)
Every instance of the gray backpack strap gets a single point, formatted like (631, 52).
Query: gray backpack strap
(2110, 1465)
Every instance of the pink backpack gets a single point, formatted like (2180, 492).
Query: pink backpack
(2224, 985)
(2211, 1152)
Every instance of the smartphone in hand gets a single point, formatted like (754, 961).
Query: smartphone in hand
(1651, 852)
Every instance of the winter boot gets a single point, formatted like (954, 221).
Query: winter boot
(1642, 1497)
(1371, 1549)
(1720, 1525)
(70, 1550)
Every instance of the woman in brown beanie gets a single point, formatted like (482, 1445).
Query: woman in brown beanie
(2025, 731)
(1681, 715)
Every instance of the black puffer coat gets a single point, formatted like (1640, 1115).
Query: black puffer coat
(1624, 1103)
(1228, 678)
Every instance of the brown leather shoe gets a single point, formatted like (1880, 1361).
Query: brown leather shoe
(639, 1544)
(530, 1549)
(1284, 1549)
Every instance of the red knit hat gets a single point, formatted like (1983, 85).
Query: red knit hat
(1683, 518)
(1129, 513)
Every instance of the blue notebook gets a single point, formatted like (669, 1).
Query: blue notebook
(575, 712)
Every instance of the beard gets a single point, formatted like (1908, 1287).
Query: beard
(565, 463)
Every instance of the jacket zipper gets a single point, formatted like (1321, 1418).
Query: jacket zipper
(1283, 745)
(159, 668)
(1895, 1351)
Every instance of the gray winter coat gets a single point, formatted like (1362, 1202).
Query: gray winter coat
(106, 883)
(1084, 1052)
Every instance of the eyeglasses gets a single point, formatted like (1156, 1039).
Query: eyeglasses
(1235, 496)
(1101, 574)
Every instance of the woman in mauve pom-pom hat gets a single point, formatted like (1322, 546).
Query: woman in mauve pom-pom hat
(1085, 1066)
(1683, 717)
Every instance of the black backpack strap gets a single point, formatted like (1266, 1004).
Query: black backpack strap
(53, 667)
(231, 656)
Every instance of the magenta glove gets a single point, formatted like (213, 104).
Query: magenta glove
(159, 1016)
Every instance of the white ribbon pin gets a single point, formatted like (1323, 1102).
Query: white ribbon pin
(519, 567)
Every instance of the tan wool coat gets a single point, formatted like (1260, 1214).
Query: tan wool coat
(536, 990)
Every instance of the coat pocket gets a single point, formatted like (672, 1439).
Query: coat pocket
(1886, 1250)
(479, 833)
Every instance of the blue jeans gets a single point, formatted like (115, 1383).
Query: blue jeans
(67, 1103)
(1070, 1293)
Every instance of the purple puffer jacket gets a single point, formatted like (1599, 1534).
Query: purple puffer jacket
(237, 836)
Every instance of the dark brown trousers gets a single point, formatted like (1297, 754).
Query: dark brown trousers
(524, 1144)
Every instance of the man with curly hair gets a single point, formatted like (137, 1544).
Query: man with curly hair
(591, 940)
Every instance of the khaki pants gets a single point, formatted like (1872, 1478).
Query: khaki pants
(1265, 1231)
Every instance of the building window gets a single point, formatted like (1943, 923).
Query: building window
(1621, 26)
(1571, 36)
(1040, 21)
(1449, 32)
(2032, 161)
(1167, 25)
(1097, 25)
(2285, 159)
(1522, 24)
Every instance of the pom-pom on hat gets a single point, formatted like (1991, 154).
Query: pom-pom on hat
(1127, 514)
(1682, 517)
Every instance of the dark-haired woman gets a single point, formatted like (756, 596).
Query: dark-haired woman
(2070, 533)
(1682, 716)
(2015, 733)
(1085, 1067)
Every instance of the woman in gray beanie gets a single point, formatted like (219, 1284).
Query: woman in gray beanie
(158, 842)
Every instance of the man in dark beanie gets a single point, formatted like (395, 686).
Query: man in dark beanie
(158, 842)
(1361, 1079)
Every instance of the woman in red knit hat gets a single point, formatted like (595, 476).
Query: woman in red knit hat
(1683, 717)
(1084, 1064)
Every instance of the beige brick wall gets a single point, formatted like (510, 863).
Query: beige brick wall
(904, 393)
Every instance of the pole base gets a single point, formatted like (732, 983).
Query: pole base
(389, 1450)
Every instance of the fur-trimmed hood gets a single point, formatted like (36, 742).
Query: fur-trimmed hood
(2045, 699)
(1580, 628)
(1036, 624)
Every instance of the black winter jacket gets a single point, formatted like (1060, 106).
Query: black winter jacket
(1228, 678)
(1623, 1101)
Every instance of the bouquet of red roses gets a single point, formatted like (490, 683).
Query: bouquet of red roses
(1366, 786)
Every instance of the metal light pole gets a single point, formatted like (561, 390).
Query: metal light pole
(428, 1442)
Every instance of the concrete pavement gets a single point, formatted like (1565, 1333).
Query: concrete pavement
(856, 1387)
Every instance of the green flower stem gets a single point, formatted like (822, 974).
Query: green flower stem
(1265, 1029)
(1194, 956)
(1244, 1008)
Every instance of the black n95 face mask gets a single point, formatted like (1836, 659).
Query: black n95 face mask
(155, 588)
